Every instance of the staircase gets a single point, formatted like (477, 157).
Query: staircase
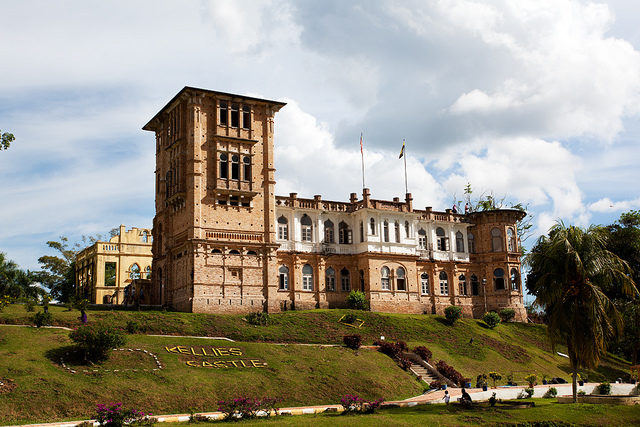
(421, 371)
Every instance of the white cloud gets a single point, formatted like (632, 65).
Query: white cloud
(607, 205)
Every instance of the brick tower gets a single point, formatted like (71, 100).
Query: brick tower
(215, 244)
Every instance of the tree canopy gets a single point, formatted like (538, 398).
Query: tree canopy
(15, 282)
(6, 139)
(570, 270)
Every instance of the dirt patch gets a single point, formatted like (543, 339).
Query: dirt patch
(7, 385)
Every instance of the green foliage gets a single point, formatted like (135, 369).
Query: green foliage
(15, 282)
(58, 272)
(246, 407)
(96, 340)
(6, 139)
(42, 318)
(30, 305)
(529, 391)
(506, 314)
(604, 388)
(580, 392)
(570, 270)
(481, 380)
(495, 377)
(491, 318)
(531, 379)
(452, 314)
(553, 392)
(258, 318)
(4, 301)
(357, 300)
(350, 318)
(133, 327)
(114, 415)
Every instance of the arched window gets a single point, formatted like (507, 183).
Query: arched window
(345, 280)
(134, 272)
(372, 225)
(306, 227)
(496, 240)
(385, 227)
(444, 283)
(345, 233)
(251, 253)
(235, 166)
(424, 284)
(422, 239)
(234, 252)
(283, 228)
(246, 173)
(224, 166)
(443, 242)
(511, 241)
(401, 281)
(145, 237)
(216, 251)
(384, 275)
(459, 242)
(515, 279)
(362, 280)
(330, 277)
(406, 229)
(361, 231)
(471, 242)
(498, 278)
(147, 272)
(397, 231)
(307, 278)
(328, 232)
(474, 285)
(462, 285)
(283, 275)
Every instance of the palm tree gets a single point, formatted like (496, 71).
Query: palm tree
(569, 270)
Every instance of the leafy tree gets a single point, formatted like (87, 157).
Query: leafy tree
(15, 282)
(6, 140)
(57, 272)
(491, 318)
(570, 268)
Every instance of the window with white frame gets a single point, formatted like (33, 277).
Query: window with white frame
(344, 234)
(307, 278)
(444, 283)
(328, 232)
(385, 228)
(345, 280)
(134, 272)
(406, 229)
(397, 231)
(424, 284)
(401, 280)
(459, 242)
(283, 275)
(515, 279)
(372, 226)
(283, 228)
(306, 228)
(496, 240)
(441, 238)
(330, 279)
(422, 239)
(511, 240)
(385, 278)
(462, 285)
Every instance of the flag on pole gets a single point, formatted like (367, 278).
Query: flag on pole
(402, 150)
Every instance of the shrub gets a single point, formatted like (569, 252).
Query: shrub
(452, 314)
(246, 407)
(349, 318)
(491, 318)
(133, 327)
(95, 340)
(495, 376)
(404, 362)
(529, 391)
(259, 318)
(580, 392)
(4, 301)
(531, 379)
(435, 385)
(553, 392)
(604, 388)
(506, 314)
(352, 341)
(450, 373)
(30, 305)
(352, 403)
(357, 300)
(481, 380)
(423, 352)
(42, 318)
(114, 415)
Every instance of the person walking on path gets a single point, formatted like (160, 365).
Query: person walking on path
(446, 397)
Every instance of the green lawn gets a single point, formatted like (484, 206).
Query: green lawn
(299, 375)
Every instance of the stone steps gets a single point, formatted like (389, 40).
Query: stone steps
(421, 371)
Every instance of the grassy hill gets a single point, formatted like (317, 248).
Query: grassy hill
(296, 373)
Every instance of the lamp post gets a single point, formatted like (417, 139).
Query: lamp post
(484, 292)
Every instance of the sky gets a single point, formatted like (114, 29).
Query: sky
(535, 101)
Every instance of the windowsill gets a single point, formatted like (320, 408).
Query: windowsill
(283, 290)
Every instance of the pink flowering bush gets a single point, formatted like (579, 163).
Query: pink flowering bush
(352, 403)
(114, 415)
(247, 407)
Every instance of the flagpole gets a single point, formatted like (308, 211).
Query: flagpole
(362, 156)
(406, 186)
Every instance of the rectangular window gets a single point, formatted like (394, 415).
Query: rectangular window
(283, 232)
(224, 113)
(233, 201)
(284, 281)
(400, 284)
(306, 233)
(307, 284)
(109, 273)
(444, 287)
(422, 242)
(331, 283)
(346, 284)
(385, 284)
(246, 175)
(235, 117)
(424, 287)
(246, 117)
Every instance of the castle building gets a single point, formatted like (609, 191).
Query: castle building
(105, 269)
(225, 243)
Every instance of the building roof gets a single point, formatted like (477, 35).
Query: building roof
(149, 126)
